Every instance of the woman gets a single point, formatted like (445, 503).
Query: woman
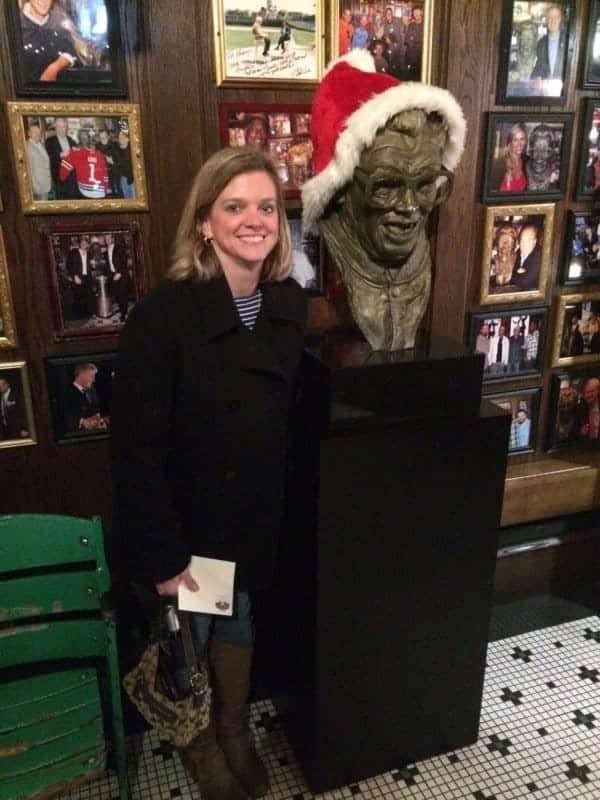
(206, 370)
(504, 256)
(512, 166)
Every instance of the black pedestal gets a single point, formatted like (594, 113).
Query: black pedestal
(383, 600)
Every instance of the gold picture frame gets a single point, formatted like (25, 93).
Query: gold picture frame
(74, 184)
(401, 71)
(580, 343)
(506, 276)
(250, 53)
(17, 425)
(8, 334)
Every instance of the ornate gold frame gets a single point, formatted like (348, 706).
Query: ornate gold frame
(559, 315)
(547, 210)
(426, 59)
(8, 337)
(289, 83)
(32, 438)
(16, 112)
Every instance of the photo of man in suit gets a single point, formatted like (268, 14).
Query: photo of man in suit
(526, 276)
(116, 270)
(58, 147)
(13, 423)
(79, 269)
(81, 409)
(550, 55)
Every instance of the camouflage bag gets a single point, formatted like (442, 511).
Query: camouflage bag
(153, 691)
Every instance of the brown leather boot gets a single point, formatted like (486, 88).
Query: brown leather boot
(231, 683)
(205, 762)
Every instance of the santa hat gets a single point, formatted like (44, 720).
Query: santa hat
(350, 105)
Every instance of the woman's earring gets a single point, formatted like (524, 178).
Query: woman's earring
(207, 240)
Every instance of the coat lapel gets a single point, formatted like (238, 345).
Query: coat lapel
(258, 349)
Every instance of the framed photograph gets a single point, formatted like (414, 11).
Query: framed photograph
(66, 48)
(588, 173)
(526, 157)
(398, 34)
(591, 61)
(17, 428)
(262, 45)
(96, 276)
(576, 329)
(582, 249)
(8, 335)
(574, 416)
(308, 256)
(75, 157)
(281, 130)
(516, 253)
(80, 389)
(523, 406)
(534, 56)
(512, 342)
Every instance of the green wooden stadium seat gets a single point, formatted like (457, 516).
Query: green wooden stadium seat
(58, 657)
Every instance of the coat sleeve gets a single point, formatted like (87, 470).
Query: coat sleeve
(147, 540)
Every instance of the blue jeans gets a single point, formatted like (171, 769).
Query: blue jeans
(237, 629)
(127, 189)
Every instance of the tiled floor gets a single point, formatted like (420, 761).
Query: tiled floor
(539, 736)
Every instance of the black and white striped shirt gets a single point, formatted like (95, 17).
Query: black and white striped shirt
(248, 308)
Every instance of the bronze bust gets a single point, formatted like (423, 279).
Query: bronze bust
(388, 182)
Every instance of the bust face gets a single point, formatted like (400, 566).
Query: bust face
(394, 189)
(541, 153)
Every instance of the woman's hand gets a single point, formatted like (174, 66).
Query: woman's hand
(171, 587)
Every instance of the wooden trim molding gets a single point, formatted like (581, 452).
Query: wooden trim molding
(551, 487)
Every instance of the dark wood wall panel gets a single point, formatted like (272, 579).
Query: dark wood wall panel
(170, 64)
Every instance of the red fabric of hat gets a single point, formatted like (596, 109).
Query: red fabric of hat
(352, 103)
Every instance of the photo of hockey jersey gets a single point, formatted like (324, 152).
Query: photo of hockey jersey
(91, 172)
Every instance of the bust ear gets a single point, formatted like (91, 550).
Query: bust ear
(444, 191)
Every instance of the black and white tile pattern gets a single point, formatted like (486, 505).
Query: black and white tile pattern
(539, 737)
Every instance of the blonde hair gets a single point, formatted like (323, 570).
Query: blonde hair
(192, 256)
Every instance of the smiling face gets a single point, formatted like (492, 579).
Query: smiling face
(40, 8)
(244, 222)
(553, 20)
(506, 244)
(517, 142)
(400, 163)
(60, 126)
(256, 134)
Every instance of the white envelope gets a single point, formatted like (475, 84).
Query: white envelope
(215, 579)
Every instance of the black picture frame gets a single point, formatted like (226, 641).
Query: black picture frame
(581, 257)
(92, 41)
(566, 413)
(526, 398)
(546, 139)
(590, 72)
(588, 170)
(308, 252)
(68, 410)
(523, 77)
(516, 362)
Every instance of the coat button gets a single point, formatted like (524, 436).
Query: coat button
(230, 474)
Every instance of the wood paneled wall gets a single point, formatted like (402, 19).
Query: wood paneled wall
(169, 49)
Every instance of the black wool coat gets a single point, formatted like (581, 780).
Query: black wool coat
(199, 420)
